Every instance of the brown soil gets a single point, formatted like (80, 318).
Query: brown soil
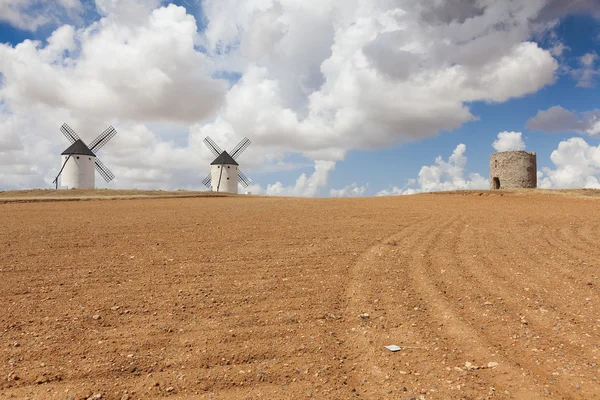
(278, 298)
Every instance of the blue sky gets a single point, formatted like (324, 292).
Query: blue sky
(578, 33)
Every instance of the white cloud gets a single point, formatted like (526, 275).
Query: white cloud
(558, 49)
(509, 141)
(31, 14)
(353, 190)
(399, 191)
(128, 72)
(305, 186)
(587, 71)
(146, 72)
(368, 67)
(576, 165)
(127, 10)
(252, 189)
(559, 119)
(588, 59)
(367, 74)
(442, 176)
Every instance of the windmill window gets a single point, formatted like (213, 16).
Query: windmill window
(228, 167)
(227, 178)
(78, 157)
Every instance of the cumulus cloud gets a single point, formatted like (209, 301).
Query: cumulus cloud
(31, 14)
(132, 72)
(558, 119)
(367, 74)
(305, 186)
(576, 165)
(353, 190)
(442, 176)
(146, 72)
(381, 68)
(125, 11)
(509, 141)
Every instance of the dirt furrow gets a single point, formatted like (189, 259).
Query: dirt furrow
(374, 307)
(454, 315)
(525, 321)
(263, 298)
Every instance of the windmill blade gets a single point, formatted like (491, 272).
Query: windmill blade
(102, 139)
(105, 172)
(69, 133)
(243, 179)
(212, 146)
(239, 149)
(207, 180)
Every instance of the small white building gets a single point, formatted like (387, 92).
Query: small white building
(78, 167)
(224, 174)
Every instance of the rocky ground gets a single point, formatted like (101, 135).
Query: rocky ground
(489, 296)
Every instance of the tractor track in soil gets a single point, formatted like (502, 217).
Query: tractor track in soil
(227, 298)
(469, 326)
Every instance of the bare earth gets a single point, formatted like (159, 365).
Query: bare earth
(41, 195)
(491, 296)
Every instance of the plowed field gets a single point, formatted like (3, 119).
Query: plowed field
(490, 296)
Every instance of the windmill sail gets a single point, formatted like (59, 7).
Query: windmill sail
(239, 149)
(206, 181)
(105, 172)
(243, 179)
(212, 146)
(69, 133)
(102, 139)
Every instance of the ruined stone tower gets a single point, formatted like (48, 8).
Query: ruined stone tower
(513, 170)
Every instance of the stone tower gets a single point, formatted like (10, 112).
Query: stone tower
(513, 170)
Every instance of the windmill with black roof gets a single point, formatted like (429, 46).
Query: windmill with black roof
(79, 160)
(224, 170)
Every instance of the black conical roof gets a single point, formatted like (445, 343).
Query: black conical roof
(224, 158)
(79, 148)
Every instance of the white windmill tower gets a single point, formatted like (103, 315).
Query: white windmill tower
(79, 160)
(224, 170)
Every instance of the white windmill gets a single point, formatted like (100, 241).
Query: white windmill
(79, 160)
(224, 170)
